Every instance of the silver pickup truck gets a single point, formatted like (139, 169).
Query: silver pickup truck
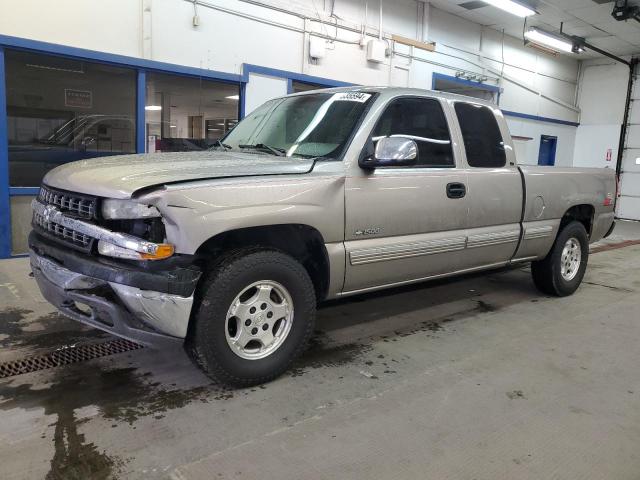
(311, 197)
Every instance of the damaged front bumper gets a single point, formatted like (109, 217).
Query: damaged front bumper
(148, 307)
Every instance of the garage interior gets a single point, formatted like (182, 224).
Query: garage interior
(476, 377)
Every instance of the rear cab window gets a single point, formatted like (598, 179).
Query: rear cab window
(481, 135)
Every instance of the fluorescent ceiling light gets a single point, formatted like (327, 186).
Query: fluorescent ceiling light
(548, 40)
(512, 7)
(172, 126)
(233, 97)
(153, 108)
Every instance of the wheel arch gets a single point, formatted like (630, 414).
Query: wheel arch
(583, 213)
(303, 242)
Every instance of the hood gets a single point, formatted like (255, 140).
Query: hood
(120, 176)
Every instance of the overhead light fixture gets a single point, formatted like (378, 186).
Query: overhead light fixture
(153, 108)
(233, 97)
(512, 7)
(548, 40)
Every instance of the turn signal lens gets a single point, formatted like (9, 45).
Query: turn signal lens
(164, 250)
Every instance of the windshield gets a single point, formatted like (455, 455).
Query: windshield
(314, 125)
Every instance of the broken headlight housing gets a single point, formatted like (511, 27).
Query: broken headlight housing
(140, 221)
(115, 209)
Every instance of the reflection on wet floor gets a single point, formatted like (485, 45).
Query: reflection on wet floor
(22, 330)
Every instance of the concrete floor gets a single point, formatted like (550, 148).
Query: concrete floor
(474, 378)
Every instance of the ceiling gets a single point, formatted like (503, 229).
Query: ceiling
(590, 19)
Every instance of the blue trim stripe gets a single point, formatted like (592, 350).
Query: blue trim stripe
(241, 102)
(23, 191)
(440, 76)
(5, 202)
(113, 59)
(141, 92)
(539, 119)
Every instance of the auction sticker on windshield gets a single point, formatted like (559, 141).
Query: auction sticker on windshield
(352, 97)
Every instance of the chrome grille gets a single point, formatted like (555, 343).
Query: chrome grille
(77, 204)
(79, 240)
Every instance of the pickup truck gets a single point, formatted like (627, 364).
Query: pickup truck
(312, 196)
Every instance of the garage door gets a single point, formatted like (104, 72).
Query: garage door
(629, 201)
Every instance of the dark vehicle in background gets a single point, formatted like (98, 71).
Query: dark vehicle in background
(82, 137)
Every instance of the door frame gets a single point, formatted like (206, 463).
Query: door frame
(553, 151)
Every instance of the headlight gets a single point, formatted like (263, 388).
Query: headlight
(163, 250)
(127, 209)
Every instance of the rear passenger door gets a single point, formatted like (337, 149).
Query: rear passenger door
(406, 223)
(495, 189)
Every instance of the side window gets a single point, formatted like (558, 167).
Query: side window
(481, 134)
(423, 120)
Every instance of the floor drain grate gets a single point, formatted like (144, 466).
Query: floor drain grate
(66, 356)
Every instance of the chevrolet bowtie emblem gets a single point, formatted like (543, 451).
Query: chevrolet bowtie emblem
(48, 213)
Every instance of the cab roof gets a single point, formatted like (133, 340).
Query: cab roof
(396, 91)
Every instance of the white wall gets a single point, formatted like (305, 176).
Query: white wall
(602, 95)
(261, 88)
(527, 150)
(234, 32)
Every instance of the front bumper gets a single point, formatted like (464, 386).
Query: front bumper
(154, 317)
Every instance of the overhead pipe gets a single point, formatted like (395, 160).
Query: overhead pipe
(380, 22)
(580, 42)
(355, 30)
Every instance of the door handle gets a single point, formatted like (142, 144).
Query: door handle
(456, 190)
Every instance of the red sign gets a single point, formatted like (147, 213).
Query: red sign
(608, 156)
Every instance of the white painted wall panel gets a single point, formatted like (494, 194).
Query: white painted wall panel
(222, 41)
(592, 143)
(630, 184)
(628, 208)
(602, 95)
(113, 26)
(631, 160)
(261, 88)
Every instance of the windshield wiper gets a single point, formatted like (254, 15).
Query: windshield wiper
(218, 143)
(280, 152)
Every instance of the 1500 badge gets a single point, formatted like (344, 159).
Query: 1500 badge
(368, 231)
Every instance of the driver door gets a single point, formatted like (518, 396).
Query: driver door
(407, 223)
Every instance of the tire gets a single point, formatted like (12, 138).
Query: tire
(211, 343)
(549, 276)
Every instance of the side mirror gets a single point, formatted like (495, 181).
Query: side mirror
(392, 151)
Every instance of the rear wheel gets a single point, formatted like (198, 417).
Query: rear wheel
(561, 271)
(255, 315)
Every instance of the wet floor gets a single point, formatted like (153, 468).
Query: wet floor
(479, 377)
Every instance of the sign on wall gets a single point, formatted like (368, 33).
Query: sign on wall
(78, 98)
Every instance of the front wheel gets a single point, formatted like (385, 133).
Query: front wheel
(561, 271)
(255, 315)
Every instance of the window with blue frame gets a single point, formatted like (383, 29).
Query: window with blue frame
(61, 110)
(460, 86)
(297, 86)
(187, 113)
